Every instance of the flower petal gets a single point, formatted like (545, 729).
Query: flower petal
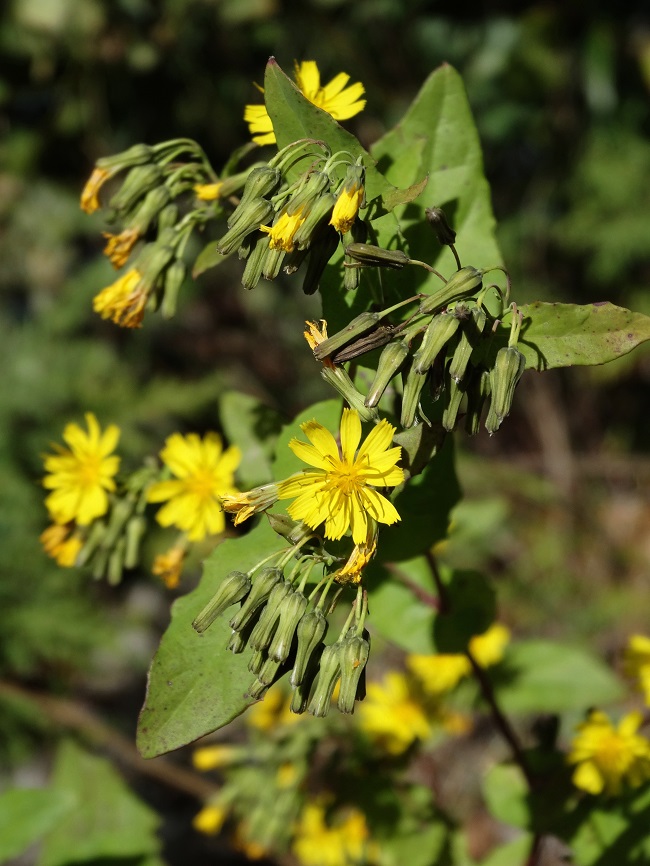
(350, 434)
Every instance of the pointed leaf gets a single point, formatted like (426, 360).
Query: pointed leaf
(26, 814)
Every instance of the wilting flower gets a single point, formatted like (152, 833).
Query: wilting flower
(283, 230)
(81, 476)
(169, 565)
(244, 505)
(349, 200)
(607, 756)
(124, 300)
(336, 98)
(204, 473)
(637, 662)
(61, 543)
(342, 844)
(361, 555)
(341, 490)
(315, 334)
(90, 193)
(118, 247)
(392, 715)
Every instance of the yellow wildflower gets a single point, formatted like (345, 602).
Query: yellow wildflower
(213, 757)
(284, 229)
(637, 662)
(118, 247)
(340, 490)
(208, 191)
(58, 543)
(210, 819)
(392, 716)
(124, 300)
(273, 711)
(347, 207)
(336, 98)
(606, 756)
(244, 505)
(204, 473)
(488, 648)
(81, 475)
(168, 566)
(90, 193)
(343, 844)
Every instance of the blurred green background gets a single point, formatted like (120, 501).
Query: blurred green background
(559, 510)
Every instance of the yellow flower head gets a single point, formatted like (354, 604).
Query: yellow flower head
(80, 476)
(168, 566)
(392, 716)
(124, 301)
(284, 229)
(607, 756)
(204, 473)
(210, 819)
(118, 247)
(315, 334)
(347, 207)
(318, 844)
(439, 673)
(361, 555)
(213, 757)
(90, 193)
(341, 490)
(208, 191)
(336, 98)
(61, 545)
(488, 648)
(637, 662)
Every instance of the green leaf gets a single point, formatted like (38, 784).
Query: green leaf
(195, 684)
(548, 677)
(27, 814)
(469, 609)
(207, 258)
(613, 833)
(506, 795)
(564, 335)
(421, 847)
(253, 427)
(107, 822)
(511, 854)
(327, 413)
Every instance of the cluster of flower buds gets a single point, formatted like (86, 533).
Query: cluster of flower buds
(444, 345)
(285, 625)
(282, 220)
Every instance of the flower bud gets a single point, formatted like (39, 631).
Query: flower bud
(322, 249)
(272, 263)
(291, 611)
(257, 690)
(310, 632)
(269, 671)
(168, 217)
(438, 333)
(255, 262)
(507, 371)
(135, 530)
(411, 396)
(92, 542)
(137, 183)
(174, 277)
(438, 221)
(390, 361)
(462, 284)
(136, 155)
(339, 379)
(265, 627)
(259, 594)
(470, 335)
(456, 393)
(478, 390)
(359, 325)
(232, 588)
(326, 678)
(371, 256)
(253, 214)
(237, 643)
(120, 513)
(116, 563)
(260, 182)
(257, 661)
(316, 185)
(353, 655)
(320, 209)
(351, 268)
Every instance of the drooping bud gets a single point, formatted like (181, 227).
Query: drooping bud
(116, 563)
(259, 594)
(326, 678)
(371, 256)
(269, 671)
(168, 217)
(257, 690)
(237, 643)
(291, 613)
(353, 653)
(315, 186)
(504, 376)
(462, 284)
(411, 397)
(359, 325)
(438, 221)
(339, 379)
(133, 534)
(232, 589)
(137, 184)
(253, 214)
(438, 333)
(265, 627)
(456, 393)
(321, 251)
(390, 361)
(319, 210)
(272, 263)
(478, 390)
(92, 543)
(174, 277)
(310, 633)
(256, 661)
(136, 155)
(350, 198)
(260, 182)
(351, 268)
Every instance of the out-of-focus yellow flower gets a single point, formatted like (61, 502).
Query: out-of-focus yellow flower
(90, 193)
(391, 714)
(212, 757)
(208, 191)
(80, 476)
(204, 473)
(608, 756)
(488, 648)
(287, 775)
(168, 566)
(60, 544)
(336, 98)
(345, 843)
(241, 842)
(210, 819)
(124, 300)
(636, 663)
(273, 711)
(118, 247)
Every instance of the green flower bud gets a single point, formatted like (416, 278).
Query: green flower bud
(232, 589)
(371, 256)
(507, 371)
(92, 542)
(463, 284)
(168, 217)
(351, 268)
(438, 221)
(438, 333)
(321, 251)
(327, 677)
(259, 594)
(253, 214)
(272, 263)
(310, 632)
(137, 183)
(301, 692)
(257, 690)
(478, 390)
(316, 185)
(135, 530)
(291, 612)
(359, 325)
(339, 379)
(255, 262)
(319, 211)
(237, 643)
(456, 393)
(257, 661)
(174, 278)
(390, 361)
(120, 513)
(260, 182)
(411, 396)
(116, 563)
(470, 335)
(262, 634)
(269, 671)
(353, 655)
(139, 154)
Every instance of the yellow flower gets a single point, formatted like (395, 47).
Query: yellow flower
(392, 716)
(317, 844)
(124, 300)
(488, 648)
(204, 473)
(340, 491)
(273, 711)
(637, 662)
(244, 505)
(315, 334)
(208, 191)
(210, 819)
(361, 555)
(81, 475)
(90, 193)
(168, 566)
(213, 757)
(607, 756)
(60, 544)
(347, 207)
(118, 247)
(336, 98)
(284, 229)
